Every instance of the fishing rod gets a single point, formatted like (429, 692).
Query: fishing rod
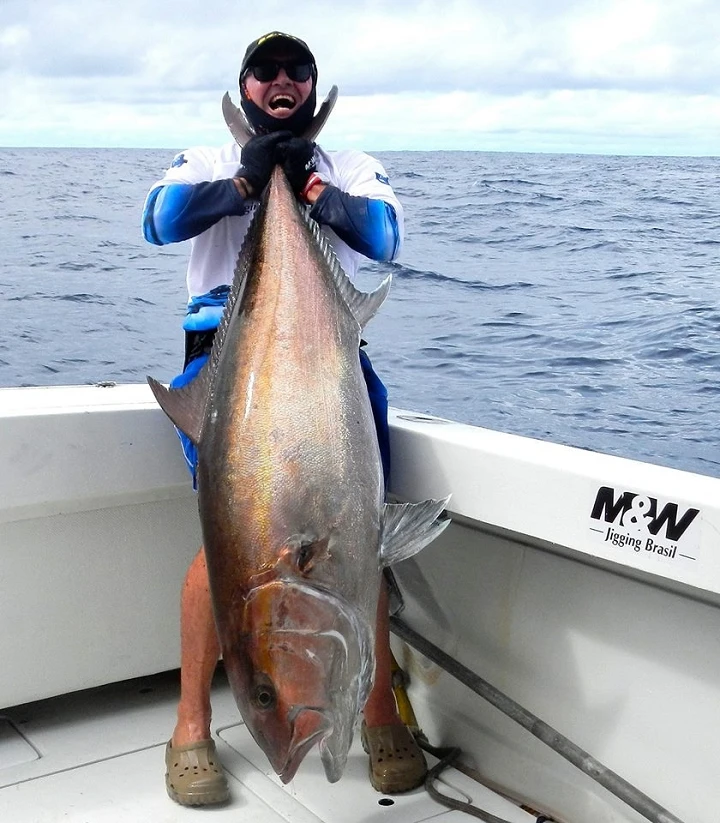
(607, 778)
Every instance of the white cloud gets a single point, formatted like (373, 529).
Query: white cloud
(636, 75)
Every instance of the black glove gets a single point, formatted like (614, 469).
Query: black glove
(297, 158)
(258, 159)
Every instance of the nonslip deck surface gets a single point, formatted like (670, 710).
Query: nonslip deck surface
(98, 757)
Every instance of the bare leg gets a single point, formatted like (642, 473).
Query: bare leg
(193, 773)
(199, 653)
(381, 708)
(396, 761)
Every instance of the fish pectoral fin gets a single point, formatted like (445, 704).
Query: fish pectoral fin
(184, 406)
(409, 527)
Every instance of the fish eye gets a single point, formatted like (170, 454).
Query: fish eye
(264, 696)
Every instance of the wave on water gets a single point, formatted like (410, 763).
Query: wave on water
(418, 276)
(566, 297)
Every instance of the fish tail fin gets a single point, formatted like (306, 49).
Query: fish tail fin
(322, 115)
(236, 121)
(409, 527)
(243, 131)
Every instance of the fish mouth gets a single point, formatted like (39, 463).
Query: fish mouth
(309, 725)
(334, 748)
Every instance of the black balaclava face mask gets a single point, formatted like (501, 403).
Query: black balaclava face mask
(265, 123)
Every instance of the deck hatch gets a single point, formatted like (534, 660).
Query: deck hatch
(14, 748)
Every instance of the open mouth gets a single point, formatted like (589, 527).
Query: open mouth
(282, 101)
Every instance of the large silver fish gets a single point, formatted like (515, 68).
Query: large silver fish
(290, 489)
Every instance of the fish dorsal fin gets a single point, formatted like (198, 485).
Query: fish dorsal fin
(184, 406)
(362, 305)
(409, 527)
(242, 129)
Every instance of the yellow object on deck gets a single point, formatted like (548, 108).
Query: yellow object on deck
(405, 709)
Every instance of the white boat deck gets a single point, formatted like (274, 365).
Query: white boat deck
(98, 757)
(551, 582)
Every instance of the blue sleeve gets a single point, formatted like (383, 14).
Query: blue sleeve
(367, 225)
(178, 211)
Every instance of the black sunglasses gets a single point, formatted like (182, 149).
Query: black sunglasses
(267, 70)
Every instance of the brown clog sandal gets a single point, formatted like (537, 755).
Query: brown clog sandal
(396, 762)
(194, 776)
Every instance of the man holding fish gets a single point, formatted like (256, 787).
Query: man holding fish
(209, 196)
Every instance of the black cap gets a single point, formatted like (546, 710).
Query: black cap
(276, 38)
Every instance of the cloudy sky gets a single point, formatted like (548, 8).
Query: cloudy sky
(600, 76)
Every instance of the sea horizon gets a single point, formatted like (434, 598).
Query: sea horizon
(531, 152)
(567, 297)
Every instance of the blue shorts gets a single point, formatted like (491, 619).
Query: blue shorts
(378, 401)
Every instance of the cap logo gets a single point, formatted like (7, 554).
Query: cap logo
(274, 34)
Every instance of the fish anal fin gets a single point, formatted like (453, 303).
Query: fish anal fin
(184, 406)
(409, 527)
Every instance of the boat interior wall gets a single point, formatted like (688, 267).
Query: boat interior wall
(77, 448)
(665, 583)
(617, 666)
(660, 522)
(97, 526)
(91, 597)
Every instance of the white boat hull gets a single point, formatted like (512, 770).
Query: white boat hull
(612, 645)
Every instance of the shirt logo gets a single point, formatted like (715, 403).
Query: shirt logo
(178, 161)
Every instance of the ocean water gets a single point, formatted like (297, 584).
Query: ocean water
(565, 297)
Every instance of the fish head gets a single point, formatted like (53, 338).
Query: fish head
(300, 667)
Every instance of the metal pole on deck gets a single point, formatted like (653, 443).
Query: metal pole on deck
(607, 778)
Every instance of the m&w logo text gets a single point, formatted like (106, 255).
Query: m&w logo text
(641, 523)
